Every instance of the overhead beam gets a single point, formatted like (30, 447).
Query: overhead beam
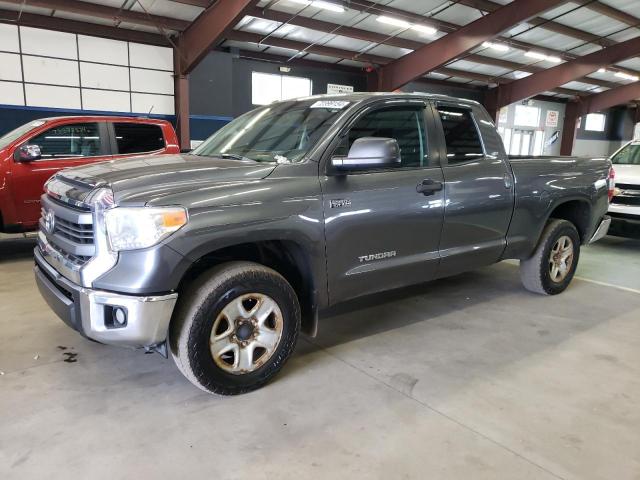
(611, 12)
(367, 6)
(195, 3)
(561, 74)
(439, 52)
(107, 13)
(369, 36)
(350, 55)
(206, 31)
(591, 104)
(552, 26)
(73, 26)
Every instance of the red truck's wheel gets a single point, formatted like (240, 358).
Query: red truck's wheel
(550, 269)
(235, 327)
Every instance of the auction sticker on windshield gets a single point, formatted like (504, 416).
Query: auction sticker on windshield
(330, 104)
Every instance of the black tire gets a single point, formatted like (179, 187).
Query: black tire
(201, 304)
(535, 271)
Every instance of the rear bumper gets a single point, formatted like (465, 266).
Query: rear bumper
(91, 312)
(602, 229)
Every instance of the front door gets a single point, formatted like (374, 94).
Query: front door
(62, 146)
(478, 194)
(381, 232)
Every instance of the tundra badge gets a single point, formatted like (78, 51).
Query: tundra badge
(377, 256)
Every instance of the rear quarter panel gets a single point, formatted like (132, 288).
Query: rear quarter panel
(543, 184)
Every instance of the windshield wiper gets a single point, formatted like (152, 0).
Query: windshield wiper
(233, 156)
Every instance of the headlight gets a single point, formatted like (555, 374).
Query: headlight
(131, 228)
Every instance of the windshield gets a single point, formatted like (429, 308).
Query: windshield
(283, 132)
(7, 138)
(630, 155)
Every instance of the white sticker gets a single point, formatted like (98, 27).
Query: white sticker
(330, 104)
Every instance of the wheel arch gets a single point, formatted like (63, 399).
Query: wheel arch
(577, 211)
(287, 257)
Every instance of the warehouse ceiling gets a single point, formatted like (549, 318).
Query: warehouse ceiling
(365, 34)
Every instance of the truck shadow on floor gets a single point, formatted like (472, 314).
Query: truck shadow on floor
(483, 319)
(14, 248)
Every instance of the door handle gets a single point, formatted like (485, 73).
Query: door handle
(429, 187)
(507, 181)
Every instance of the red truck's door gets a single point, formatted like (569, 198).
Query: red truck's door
(62, 146)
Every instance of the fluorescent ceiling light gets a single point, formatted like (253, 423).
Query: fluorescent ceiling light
(626, 76)
(602, 70)
(496, 46)
(396, 22)
(424, 29)
(542, 56)
(333, 7)
(536, 55)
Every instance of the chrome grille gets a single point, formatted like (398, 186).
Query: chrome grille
(629, 194)
(68, 230)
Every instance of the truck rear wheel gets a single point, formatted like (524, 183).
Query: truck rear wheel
(234, 328)
(550, 269)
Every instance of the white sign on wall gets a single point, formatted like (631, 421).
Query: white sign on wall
(503, 115)
(333, 88)
(552, 118)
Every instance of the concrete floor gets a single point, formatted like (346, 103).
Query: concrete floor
(468, 378)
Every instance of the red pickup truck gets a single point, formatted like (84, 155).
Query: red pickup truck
(32, 153)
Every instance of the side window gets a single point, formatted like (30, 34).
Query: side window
(460, 134)
(73, 140)
(406, 125)
(138, 138)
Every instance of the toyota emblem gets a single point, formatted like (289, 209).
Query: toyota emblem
(49, 221)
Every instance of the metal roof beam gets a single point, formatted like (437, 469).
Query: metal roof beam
(441, 51)
(563, 73)
(206, 31)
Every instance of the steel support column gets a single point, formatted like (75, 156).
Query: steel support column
(592, 104)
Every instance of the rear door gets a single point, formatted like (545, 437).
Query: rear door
(479, 189)
(63, 145)
(381, 232)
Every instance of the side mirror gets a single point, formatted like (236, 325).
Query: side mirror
(27, 153)
(369, 153)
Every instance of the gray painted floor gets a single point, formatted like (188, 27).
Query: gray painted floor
(468, 378)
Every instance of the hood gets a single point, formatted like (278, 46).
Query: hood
(627, 174)
(144, 179)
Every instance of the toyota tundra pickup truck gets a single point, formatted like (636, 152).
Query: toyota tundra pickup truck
(221, 257)
(625, 205)
(31, 153)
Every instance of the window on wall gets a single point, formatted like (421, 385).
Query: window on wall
(594, 122)
(267, 88)
(75, 140)
(527, 116)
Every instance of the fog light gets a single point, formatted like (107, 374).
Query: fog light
(119, 317)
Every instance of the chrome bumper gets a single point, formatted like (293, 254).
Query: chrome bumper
(602, 230)
(90, 312)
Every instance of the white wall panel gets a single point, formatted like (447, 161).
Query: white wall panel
(109, 77)
(50, 70)
(94, 49)
(151, 81)
(11, 93)
(162, 104)
(54, 97)
(11, 68)
(105, 100)
(9, 38)
(149, 56)
(36, 41)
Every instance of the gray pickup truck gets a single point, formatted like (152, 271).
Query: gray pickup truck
(221, 257)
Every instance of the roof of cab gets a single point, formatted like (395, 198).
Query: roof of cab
(359, 96)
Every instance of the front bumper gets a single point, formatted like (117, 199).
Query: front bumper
(91, 312)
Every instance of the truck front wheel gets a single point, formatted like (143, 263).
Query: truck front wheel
(234, 328)
(550, 269)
